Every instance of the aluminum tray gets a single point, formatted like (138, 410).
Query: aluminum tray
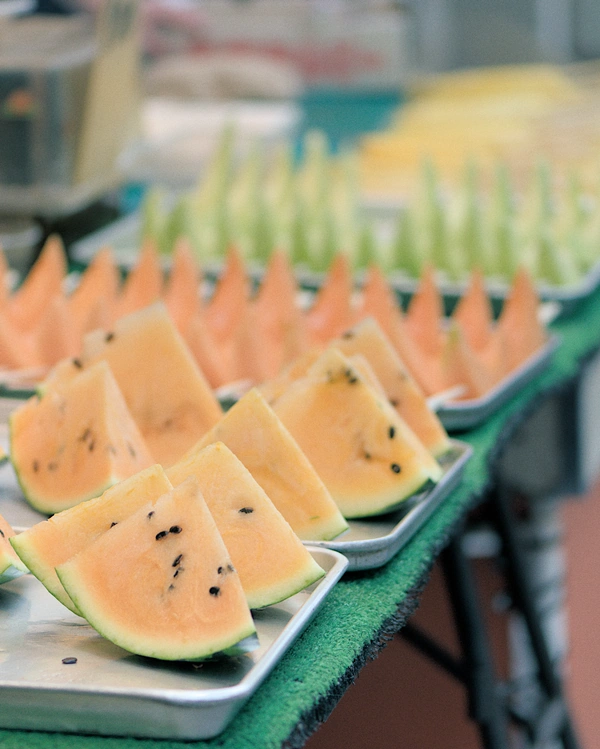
(372, 542)
(111, 692)
(461, 415)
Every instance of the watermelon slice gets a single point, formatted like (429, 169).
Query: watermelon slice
(367, 456)
(404, 394)
(252, 431)
(167, 394)
(269, 557)
(10, 564)
(48, 544)
(75, 441)
(161, 583)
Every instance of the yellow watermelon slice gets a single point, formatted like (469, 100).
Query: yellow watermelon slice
(161, 583)
(474, 315)
(98, 287)
(367, 456)
(143, 285)
(461, 366)
(167, 394)
(10, 564)
(182, 293)
(252, 431)
(48, 544)
(424, 315)
(518, 323)
(75, 441)
(368, 339)
(269, 557)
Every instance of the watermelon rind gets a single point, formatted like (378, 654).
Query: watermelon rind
(353, 509)
(10, 568)
(244, 640)
(310, 574)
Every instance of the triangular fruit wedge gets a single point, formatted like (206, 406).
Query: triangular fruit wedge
(474, 313)
(44, 280)
(424, 315)
(519, 324)
(367, 456)
(56, 336)
(332, 310)
(368, 339)
(143, 285)
(269, 557)
(48, 544)
(272, 389)
(10, 564)
(75, 441)
(227, 306)
(252, 431)
(378, 300)
(167, 394)
(205, 351)
(461, 366)
(17, 349)
(182, 293)
(161, 583)
(99, 283)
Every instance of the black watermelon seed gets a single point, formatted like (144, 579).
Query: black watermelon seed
(91, 446)
(214, 591)
(85, 435)
(36, 466)
(230, 568)
(113, 524)
(220, 571)
(392, 432)
(77, 363)
(131, 450)
(109, 337)
(171, 587)
(178, 570)
(246, 510)
(150, 514)
(177, 560)
(69, 661)
(352, 380)
(2, 533)
(52, 466)
(395, 468)
(367, 456)
(161, 534)
(348, 334)
(175, 529)
(394, 402)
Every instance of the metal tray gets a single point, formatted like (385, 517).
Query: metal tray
(461, 415)
(111, 692)
(372, 542)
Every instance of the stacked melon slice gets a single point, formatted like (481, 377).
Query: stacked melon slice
(169, 571)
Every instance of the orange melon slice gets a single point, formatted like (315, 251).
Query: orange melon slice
(227, 307)
(44, 280)
(269, 557)
(48, 544)
(17, 349)
(518, 323)
(167, 394)
(144, 284)
(273, 388)
(206, 353)
(473, 313)
(368, 339)
(378, 300)
(252, 431)
(332, 311)
(367, 456)
(11, 566)
(461, 366)
(56, 336)
(97, 287)
(182, 292)
(424, 315)
(75, 441)
(252, 356)
(180, 597)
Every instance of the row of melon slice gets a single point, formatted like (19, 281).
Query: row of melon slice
(236, 336)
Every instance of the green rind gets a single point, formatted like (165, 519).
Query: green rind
(131, 642)
(11, 568)
(327, 532)
(310, 574)
(39, 571)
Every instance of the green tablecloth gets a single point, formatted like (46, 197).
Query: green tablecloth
(364, 608)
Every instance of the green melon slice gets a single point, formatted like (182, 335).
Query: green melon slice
(161, 583)
(366, 454)
(252, 431)
(48, 544)
(404, 394)
(269, 557)
(75, 441)
(166, 392)
(10, 564)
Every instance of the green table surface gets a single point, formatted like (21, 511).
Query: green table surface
(364, 609)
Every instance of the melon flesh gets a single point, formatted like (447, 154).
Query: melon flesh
(75, 441)
(269, 557)
(367, 456)
(161, 583)
(48, 544)
(167, 394)
(368, 339)
(10, 564)
(252, 431)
